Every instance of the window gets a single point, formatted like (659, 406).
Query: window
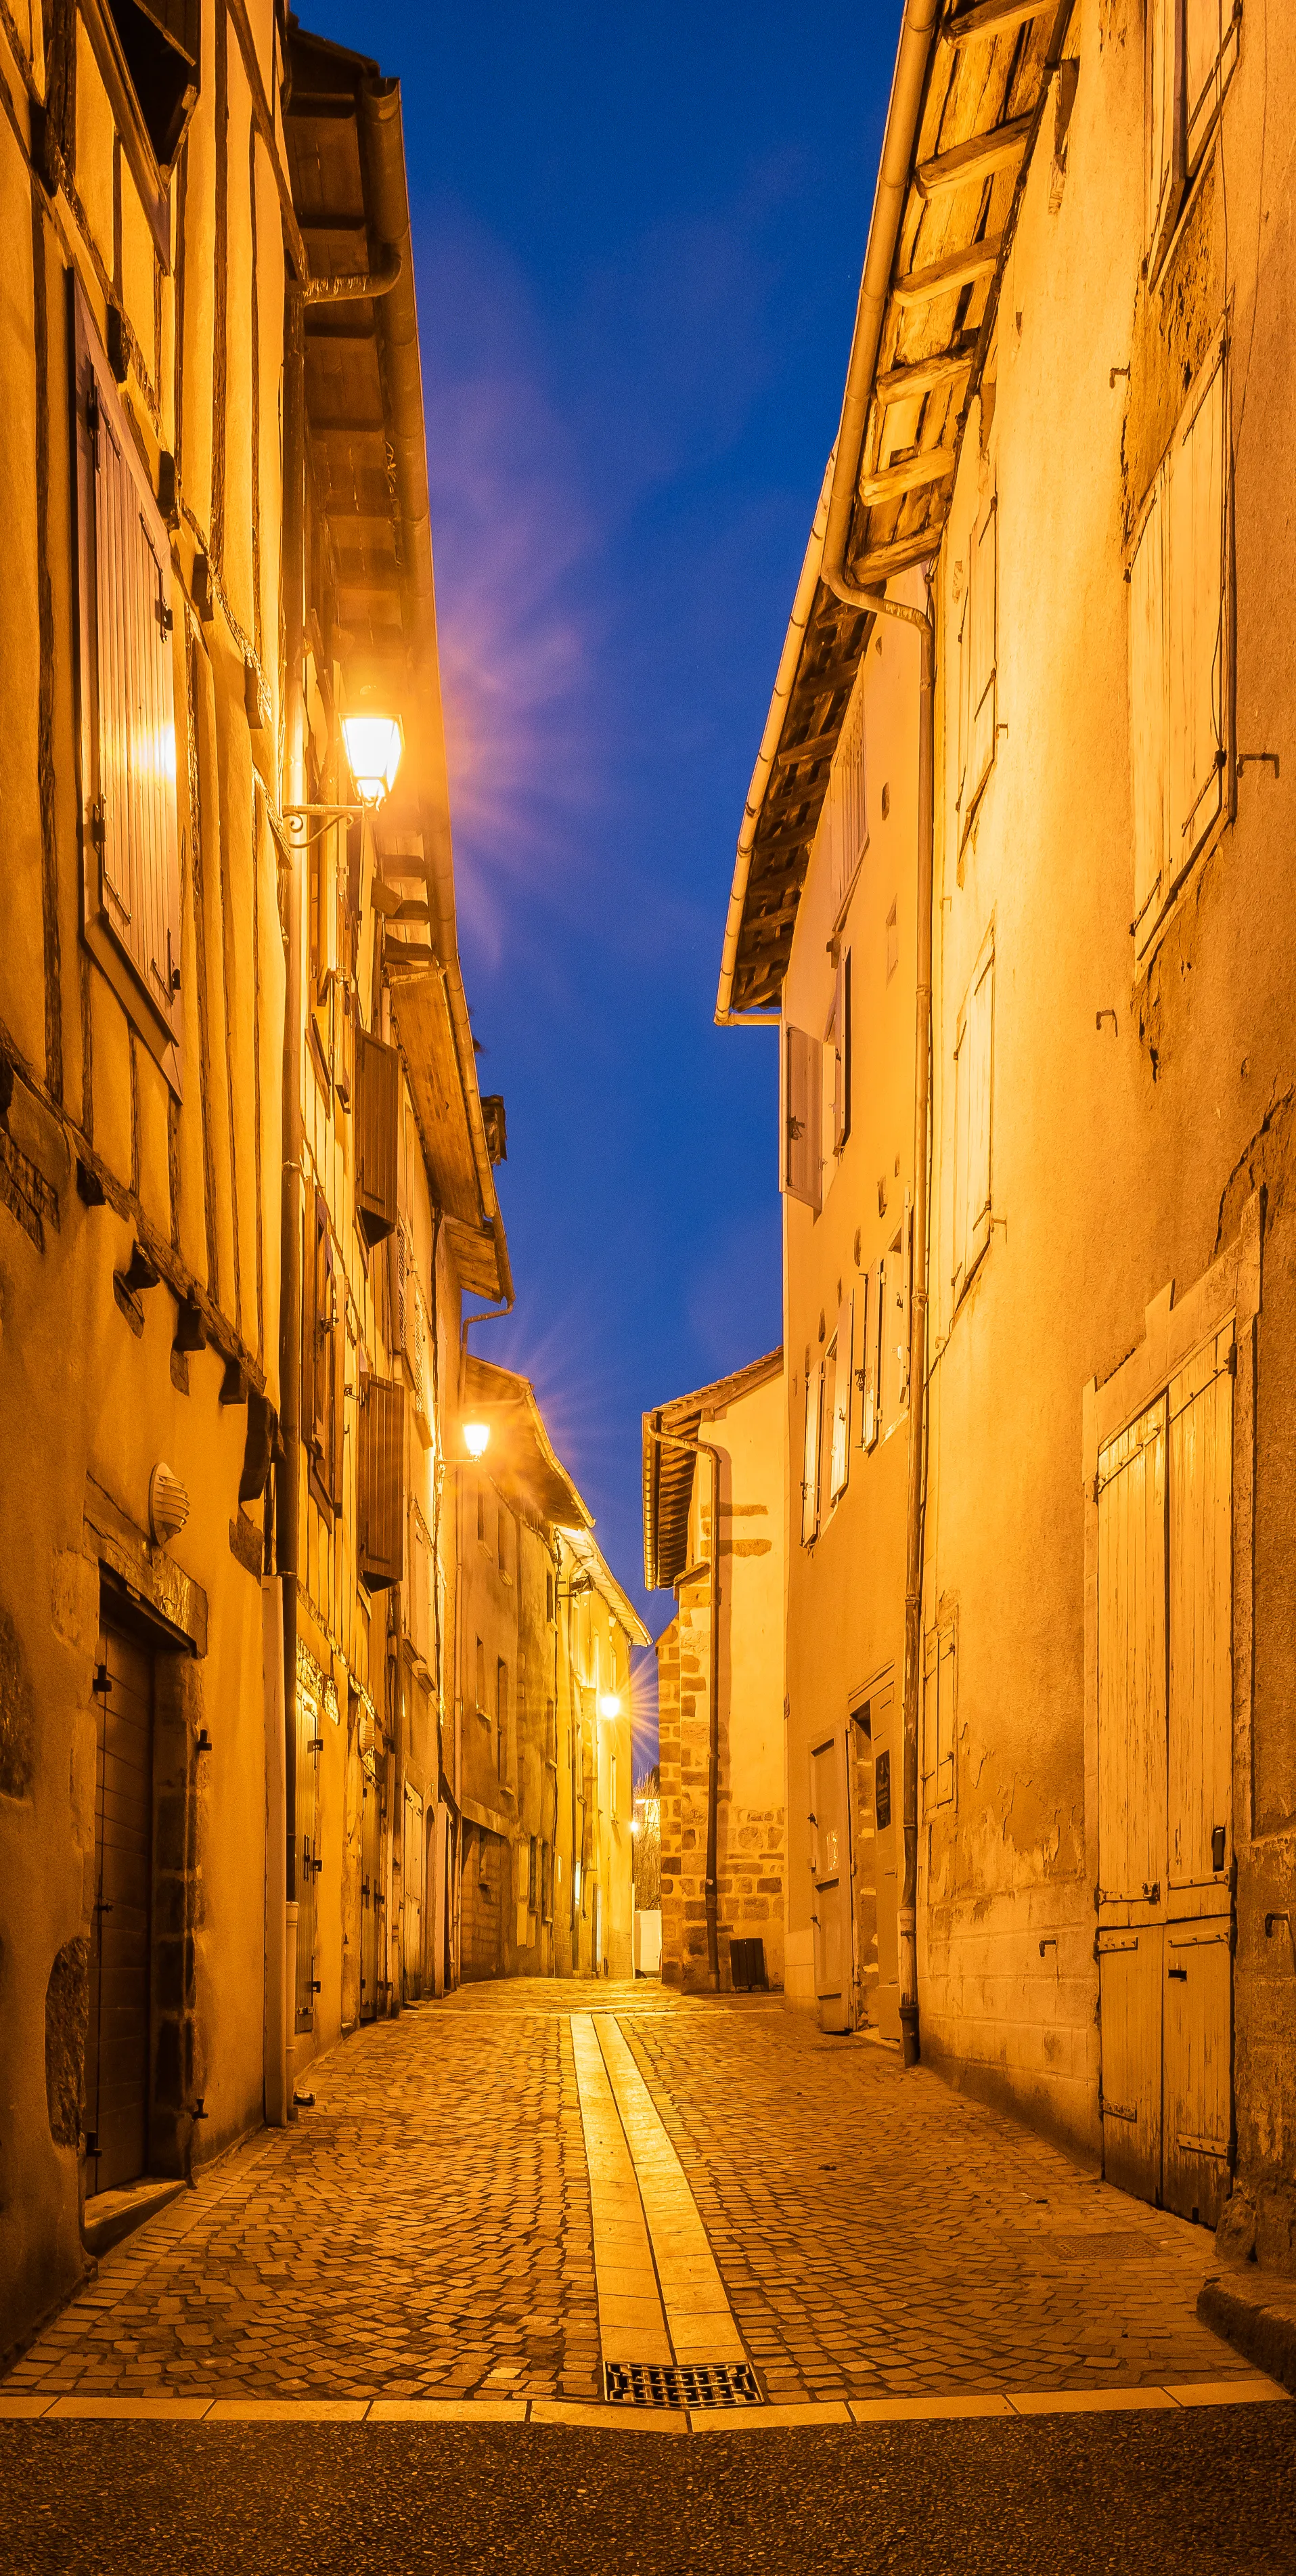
(382, 1483)
(973, 1090)
(377, 1135)
(844, 820)
(130, 848)
(501, 1719)
(837, 1407)
(480, 1695)
(551, 1733)
(1192, 46)
(801, 1166)
(1180, 664)
(546, 1881)
(810, 1467)
(481, 1511)
(549, 1596)
(533, 1876)
(867, 1333)
(837, 1068)
(893, 1374)
(939, 1717)
(324, 1359)
(978, 654)
(161, 45)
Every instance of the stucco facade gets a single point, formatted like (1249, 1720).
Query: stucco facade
(726, 1638)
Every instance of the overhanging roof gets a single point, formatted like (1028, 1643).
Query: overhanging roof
(364, 400)
(970, 90)
(521, 1459)
(668, 1472)
(593, 1563)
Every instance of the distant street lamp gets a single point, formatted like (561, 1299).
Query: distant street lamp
(609, 1704)
(476, 1438)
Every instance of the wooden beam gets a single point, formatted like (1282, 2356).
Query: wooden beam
(992, 18)
(971, 160)
(835, 675)
(904, 384)
(931, 467)
(817, 747)
(942, 276)
(881, 561)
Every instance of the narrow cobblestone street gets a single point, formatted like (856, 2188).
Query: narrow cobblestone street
(425, 2231)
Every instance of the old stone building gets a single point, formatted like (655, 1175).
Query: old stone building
(1067, 410)
(713, 1509)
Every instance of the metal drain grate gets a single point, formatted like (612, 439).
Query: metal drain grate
(647, 2383)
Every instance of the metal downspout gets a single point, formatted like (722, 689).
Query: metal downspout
(288, 1511)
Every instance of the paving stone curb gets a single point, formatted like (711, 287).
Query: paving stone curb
(857, 2413)
(1260, 2322)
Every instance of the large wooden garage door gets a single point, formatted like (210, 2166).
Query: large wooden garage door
(117, 2047)
(1164, 1792)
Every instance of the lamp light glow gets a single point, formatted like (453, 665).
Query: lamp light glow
(609, 1704)
(476, 1438)
(373, 748)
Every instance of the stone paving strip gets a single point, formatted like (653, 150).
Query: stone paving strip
(698, 2316)
(1016, 2404)
(632, 2324)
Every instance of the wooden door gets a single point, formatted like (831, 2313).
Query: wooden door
(1198, 2003)
(830, 1860)
(117, 2040)
(412, 1884)
(1132, 1796)
(310, 1745)
(370, 1916)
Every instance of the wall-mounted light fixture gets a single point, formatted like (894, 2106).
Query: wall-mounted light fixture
(374, 744)
(476, 1437)
(168, 1505)
(609, 1704)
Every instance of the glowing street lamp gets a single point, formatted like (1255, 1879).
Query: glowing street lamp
(476, 1437)
(609, 1704)
(374, 744)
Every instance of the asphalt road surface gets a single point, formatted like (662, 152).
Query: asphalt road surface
(1198, 2494)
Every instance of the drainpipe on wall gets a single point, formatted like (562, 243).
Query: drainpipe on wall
(709, 1449)
(288, 1499)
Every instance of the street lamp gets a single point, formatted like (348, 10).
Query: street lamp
(476, 1437)
(609, 1704)
(374, 744)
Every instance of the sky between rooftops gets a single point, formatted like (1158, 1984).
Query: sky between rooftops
(638, 236)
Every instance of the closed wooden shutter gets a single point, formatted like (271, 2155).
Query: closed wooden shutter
(964, 697)
(1211, 36)
(382, 1483)
(842, 1383)
(983, 692)
(939, 1718)
(1164, 122)
(870, 1330)
(802, 1162)
(1149, 671)
(895, 1328)
(128, 784)
(377, 1133)
(810, 1457)
(1200, 1732)
(1197, 642)
(1132, 1660)
(845, 815)
(973, 1106)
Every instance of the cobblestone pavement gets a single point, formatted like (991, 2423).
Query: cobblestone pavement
(426, 2230)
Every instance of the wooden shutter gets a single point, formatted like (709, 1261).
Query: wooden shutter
(981, 1034)
(1149, 719)
(842, 1382)
(802, 1166)
(939, 1718)
(479, 1678)
(845, 1045)
(1197, 636)
(1132, 1659)
(845, 811)
(376, 1134)
(1200, 1725)
(895, 1327)
(1211, 34)
(983, 611)
(810, 1457)
(1164, 85)
(866, 1336)
(128, 781)
(964, 689)
(382, 1483)
(317, 1338)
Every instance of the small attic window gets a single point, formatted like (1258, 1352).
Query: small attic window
(162, 44)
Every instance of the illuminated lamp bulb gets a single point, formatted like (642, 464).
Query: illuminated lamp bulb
(609, 1704)
(476, 1438)
(373, 747)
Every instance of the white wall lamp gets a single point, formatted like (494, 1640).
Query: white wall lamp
(374, 742)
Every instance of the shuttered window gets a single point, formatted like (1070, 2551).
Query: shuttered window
(844, 821)
(973, 1103)
(801, 1167)
(1180, 670)
(382, 1483)
(867, 1324)
(837, 1062)
(128, 756)
(895, 1328)
(1191, 49)
(841, 1399)
(377, 1135)
(978, 666)
(419, 1619)
(939, 1715)
(324, 1356)
(501, 1720)
(810, 1456)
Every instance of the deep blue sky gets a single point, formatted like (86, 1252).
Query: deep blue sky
(638, 239)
